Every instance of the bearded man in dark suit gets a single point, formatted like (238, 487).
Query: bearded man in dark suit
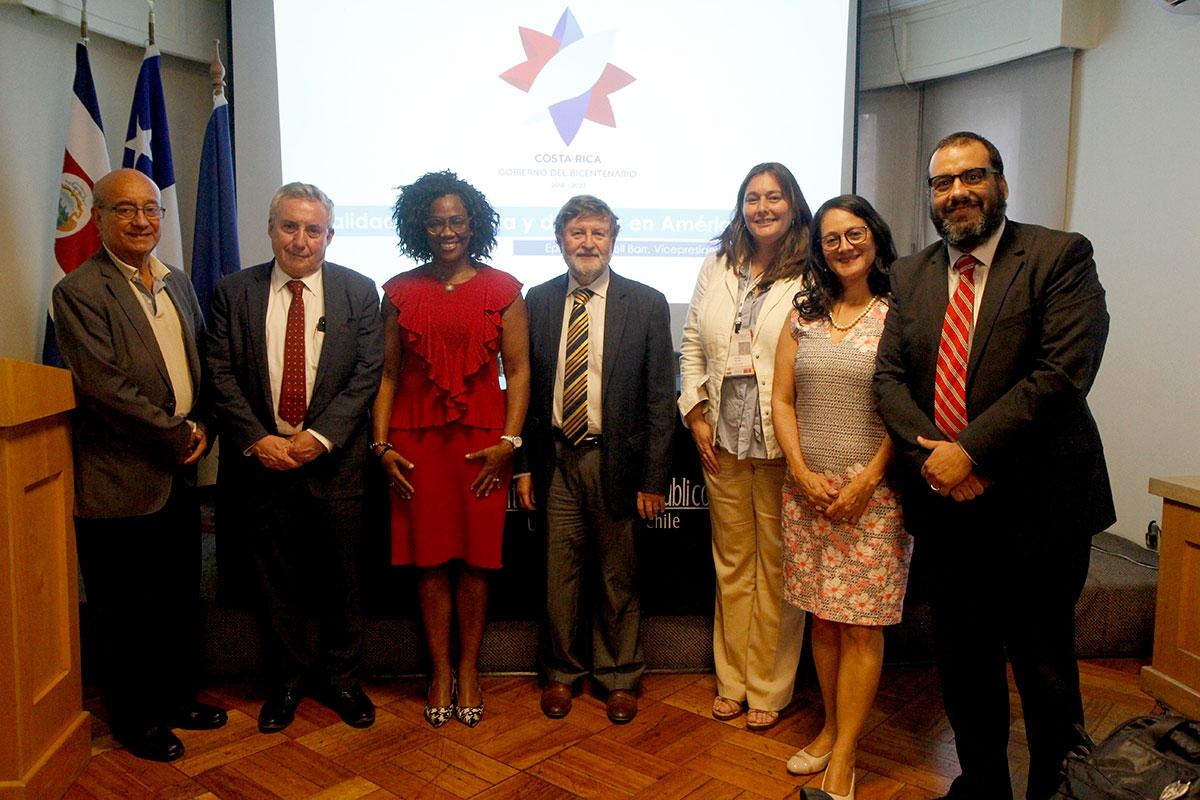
(295, 353)
(993, 341)
(598, 433)
(128, 329)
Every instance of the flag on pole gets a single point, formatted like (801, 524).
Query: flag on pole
(148, 150)
(215, 244)
(85, 160)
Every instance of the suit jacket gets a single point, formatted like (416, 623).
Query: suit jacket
(1034, 354)
(346, 382)
(128, 441)
(707, 334)
(637, 385)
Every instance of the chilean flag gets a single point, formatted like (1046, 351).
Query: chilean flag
(76, 237)
(148, 150)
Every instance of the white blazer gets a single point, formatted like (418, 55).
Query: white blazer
(706, 337)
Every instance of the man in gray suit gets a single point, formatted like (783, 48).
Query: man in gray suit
(128, 327)
(295, 353)
(602, 394)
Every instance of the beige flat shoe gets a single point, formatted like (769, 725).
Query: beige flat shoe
(805, 763)
(847, 796)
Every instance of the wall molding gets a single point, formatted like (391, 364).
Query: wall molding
(183, 28)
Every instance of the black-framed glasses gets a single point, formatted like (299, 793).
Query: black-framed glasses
(128, 211)
(854, 236)
(969, 177)
(456, 224)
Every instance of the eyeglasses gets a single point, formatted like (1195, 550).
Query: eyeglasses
(456, 224)
(854, 236)
(969, 177)
(128, 211)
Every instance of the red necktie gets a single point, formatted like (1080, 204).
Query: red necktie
(293, 400)
(950, 397)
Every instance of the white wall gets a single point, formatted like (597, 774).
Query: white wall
(37, 64)
(1134, 190)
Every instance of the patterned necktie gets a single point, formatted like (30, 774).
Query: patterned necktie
(293, 402)
(575, 370)
(950, 397)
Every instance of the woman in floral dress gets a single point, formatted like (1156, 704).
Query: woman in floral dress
(846, 552)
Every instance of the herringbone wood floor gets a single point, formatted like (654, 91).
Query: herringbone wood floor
(674, 749)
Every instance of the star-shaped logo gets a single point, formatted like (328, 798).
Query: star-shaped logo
(140, 143)
(569, 74)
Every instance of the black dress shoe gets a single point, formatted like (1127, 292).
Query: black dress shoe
(353, 706)
(155, 743)
(197, 716)
(278, 711)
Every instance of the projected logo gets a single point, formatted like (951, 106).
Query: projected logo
(568, 74)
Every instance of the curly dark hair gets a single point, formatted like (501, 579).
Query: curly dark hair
(736, 243)
(413, 205)
(819, 286)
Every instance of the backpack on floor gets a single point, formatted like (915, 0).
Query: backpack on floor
(1146, 758)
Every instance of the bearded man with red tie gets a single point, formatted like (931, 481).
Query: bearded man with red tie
(993, 340)
(295, 352)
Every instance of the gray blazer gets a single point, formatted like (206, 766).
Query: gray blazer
(347, 376)
(128, 440)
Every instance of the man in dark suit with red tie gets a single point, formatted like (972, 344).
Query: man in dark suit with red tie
(597, 435)
(993, 340)
(295, 352)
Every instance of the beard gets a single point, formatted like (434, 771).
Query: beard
(969, 233)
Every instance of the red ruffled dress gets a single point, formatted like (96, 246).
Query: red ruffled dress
(448, 403)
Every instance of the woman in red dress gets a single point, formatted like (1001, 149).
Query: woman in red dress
(444, 429)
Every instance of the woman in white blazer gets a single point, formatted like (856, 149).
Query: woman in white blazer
(742, 300)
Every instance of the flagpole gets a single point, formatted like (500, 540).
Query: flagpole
(151, 22)
(217, 70)
(83, 28)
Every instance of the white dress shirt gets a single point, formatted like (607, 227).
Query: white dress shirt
(279, 301)
(168, 330)
(985, 253)
(594, 308)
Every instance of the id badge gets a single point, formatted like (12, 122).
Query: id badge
(741, 360)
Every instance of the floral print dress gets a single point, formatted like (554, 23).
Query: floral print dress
(853, 573)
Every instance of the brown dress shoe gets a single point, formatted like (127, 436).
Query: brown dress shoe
(556, 699)
(622, 706)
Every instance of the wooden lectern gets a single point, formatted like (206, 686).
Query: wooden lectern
(45, 735)
(1173, 677)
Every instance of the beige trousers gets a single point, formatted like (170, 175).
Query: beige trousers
(756, 636)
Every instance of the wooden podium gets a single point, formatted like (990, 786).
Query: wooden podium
(1173, 676)
(45, 735)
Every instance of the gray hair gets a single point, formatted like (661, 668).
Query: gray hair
(584, 205)
(300, 191)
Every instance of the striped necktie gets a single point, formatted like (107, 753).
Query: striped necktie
(575, 370)
(950, 397)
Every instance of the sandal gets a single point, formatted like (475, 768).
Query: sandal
(766, 719)
(724, 709)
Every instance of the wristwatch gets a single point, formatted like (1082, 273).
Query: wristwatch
(515, 441)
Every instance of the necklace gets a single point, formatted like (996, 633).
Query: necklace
(867, 310)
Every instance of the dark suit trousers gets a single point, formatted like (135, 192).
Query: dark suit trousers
(988, 598)
(141, 576)
(306, 556)
(588, 546)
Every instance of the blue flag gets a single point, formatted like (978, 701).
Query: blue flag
(215, 243)
(148, 150)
